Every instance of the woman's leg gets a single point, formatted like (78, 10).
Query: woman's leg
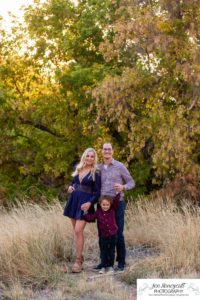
(79, 237)
(79, 226)
(73, 223)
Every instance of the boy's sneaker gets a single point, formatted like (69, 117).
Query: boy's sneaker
(102, 271)
(110, 270)
(98, 267)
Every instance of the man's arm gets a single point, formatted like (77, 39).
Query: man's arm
(129, 183)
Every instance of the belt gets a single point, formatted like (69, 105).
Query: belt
(83, 188)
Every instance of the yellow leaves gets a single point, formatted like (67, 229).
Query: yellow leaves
(49, 155)
(69, 94)
(24, 170)
(164, 26)
(85, 127)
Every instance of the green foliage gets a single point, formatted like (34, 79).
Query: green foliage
(73, 76)
(156, 95)
(45, 93)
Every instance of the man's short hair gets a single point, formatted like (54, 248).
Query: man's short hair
(108, 144)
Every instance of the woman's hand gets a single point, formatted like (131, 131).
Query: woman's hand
(71, 189)
(85, 206)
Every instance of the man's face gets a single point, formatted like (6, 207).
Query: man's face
(107, 151)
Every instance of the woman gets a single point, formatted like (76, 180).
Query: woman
(84, 193)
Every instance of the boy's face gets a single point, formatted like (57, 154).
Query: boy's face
(105, 205)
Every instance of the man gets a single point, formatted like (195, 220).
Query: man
(115, 178)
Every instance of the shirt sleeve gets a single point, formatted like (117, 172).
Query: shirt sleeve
(116, 201)
(127, 178)
(96, 188)
(90, 217)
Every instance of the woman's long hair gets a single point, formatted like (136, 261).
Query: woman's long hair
(81, 164)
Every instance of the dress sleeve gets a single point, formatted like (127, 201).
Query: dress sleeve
(73, 181)
(96, 188)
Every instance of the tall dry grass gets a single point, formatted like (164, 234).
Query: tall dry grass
(35, 242)
(32, 242)
(173, 230)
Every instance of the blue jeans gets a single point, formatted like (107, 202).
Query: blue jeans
(120, 245)
(121, 248)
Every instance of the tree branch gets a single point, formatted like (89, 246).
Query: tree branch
(41, 127)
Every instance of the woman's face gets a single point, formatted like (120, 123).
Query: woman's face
(90, 158)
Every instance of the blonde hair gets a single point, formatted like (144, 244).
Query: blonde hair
(81, 164)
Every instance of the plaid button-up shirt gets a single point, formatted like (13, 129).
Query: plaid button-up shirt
(115, 172)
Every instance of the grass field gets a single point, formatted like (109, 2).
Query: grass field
(35, 244)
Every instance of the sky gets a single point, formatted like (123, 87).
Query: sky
(13, 6)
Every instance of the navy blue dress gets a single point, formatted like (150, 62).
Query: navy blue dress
(87, 190)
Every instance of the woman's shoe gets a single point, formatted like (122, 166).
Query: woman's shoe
(65, 269)
(78, 265)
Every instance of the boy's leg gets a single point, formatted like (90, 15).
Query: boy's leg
(113, 242)
(99, 266)
(104, 251)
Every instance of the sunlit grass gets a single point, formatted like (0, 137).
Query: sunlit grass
(36, 242)
(173, 231)
(33, 241)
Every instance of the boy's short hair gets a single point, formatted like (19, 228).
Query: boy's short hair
(106, 197)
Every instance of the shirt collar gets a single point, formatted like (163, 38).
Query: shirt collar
(111, 163)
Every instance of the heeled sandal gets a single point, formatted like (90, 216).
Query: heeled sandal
(78, 265)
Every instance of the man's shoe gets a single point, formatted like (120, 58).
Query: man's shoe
(110, 270)
(120, 269)
(102, 271)
(98, 267)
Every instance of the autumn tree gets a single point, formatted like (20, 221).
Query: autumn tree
(48, 65)
(152, 101)
(75, 75)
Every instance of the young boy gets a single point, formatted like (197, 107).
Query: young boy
(105, 215)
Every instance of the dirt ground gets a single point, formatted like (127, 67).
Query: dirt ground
(120, 289)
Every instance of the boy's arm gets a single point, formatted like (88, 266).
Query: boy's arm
(90, 217)
(116, 201)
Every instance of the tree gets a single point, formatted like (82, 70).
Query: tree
(49, 64)
(153, 101)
